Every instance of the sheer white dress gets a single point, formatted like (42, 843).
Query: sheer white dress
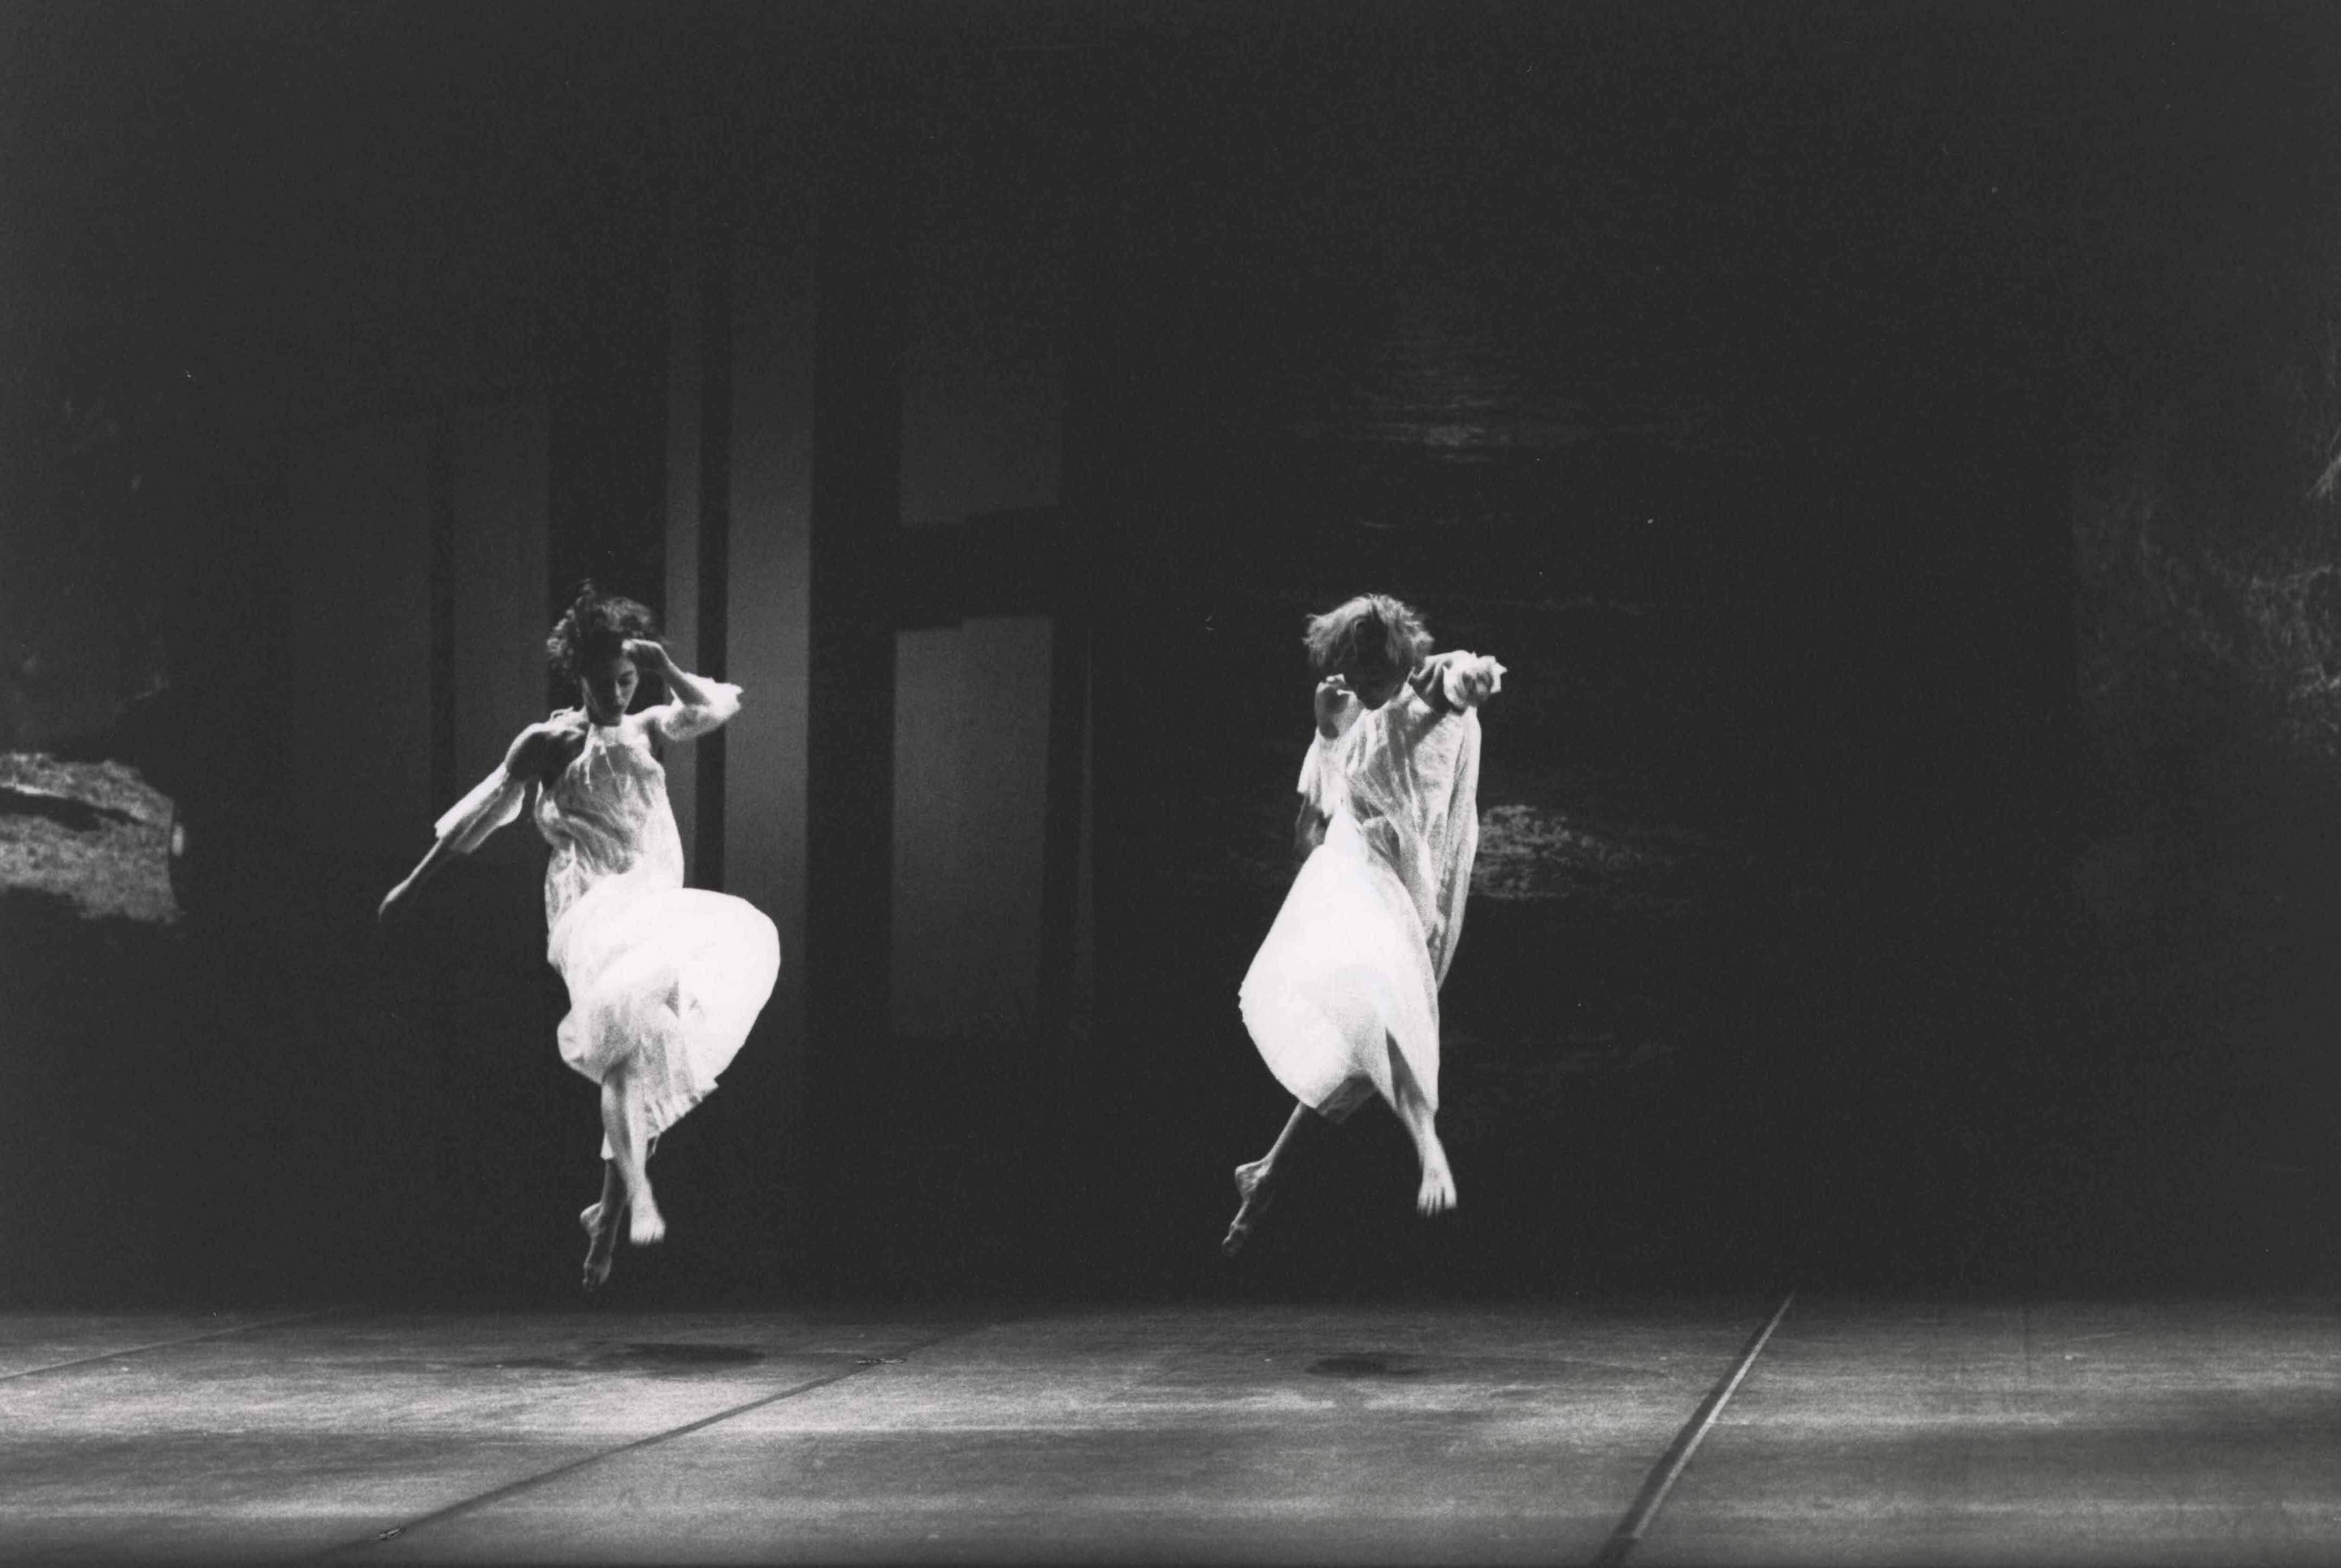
(1352, 967)
(664, 980)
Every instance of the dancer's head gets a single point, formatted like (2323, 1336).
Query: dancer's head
(1371, 642)
(588, 645)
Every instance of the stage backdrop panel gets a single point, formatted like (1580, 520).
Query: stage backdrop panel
(496, 483)
(970, 755)
(769, 612)
(356, 694)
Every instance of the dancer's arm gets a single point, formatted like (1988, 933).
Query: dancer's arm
(653, 657)
(530, 757)
(1337, 707)
(699, 704)
(1308, 831)
(392, 902)
(1455, 681)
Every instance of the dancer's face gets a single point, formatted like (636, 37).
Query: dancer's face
(1375, 683)
(609, 689)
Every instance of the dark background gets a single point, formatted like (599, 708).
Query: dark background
(1882, 441)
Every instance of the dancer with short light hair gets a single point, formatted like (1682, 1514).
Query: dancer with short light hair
(1342, 998)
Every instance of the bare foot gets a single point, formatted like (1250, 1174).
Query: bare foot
(648, 1227)
(1437, 1193)
(1251, 1186)
(601, 1244)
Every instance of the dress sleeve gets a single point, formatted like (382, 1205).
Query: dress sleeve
(1456, 844)
(494, 801)
(680, 720)
(1320, 775)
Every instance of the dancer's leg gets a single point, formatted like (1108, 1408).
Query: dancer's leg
(601, 1222)
(1437, 1193)
(624, 1130)
(1253, 1184)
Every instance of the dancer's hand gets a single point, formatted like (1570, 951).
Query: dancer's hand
(1456, 680)
(1472, 680)
(392, 902)
(648, 655)
(1333, 696)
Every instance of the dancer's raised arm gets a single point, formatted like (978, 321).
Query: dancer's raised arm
(664, 980)
(1338, 707)
(1455, 681)
(699, 704)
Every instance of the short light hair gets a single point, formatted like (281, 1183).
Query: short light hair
(1372, 628)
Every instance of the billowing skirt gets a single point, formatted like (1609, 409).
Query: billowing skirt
(664, 982)
(1343, 977)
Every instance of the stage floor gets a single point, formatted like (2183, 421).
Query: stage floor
(1835, 1430)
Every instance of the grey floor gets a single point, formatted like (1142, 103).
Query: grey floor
(1911, 1430)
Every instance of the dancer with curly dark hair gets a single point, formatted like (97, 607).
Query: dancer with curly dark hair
(1342, 998)
(664, 981)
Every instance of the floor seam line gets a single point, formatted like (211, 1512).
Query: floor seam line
(498, 1493)
(169, 1343)
(1677, 1458)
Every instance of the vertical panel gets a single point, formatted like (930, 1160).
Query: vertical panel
(989, 262)
(971, 749)
(714, 534)
(856, 513)
(517, 1122)
(679, 618)
(1081, 1000)
(930, 820)
(934, 949)
(1062, 1017)
(1096, 421)
(496, 492)
(357, 693)
(1005, 769)
(768, 588)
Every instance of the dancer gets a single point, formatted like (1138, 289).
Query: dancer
(1342, 998)
(664, 981)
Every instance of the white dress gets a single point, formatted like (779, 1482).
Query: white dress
(1352, 966)
(664, 980)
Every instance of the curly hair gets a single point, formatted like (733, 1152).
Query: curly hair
(1373, 630)
(592, 629)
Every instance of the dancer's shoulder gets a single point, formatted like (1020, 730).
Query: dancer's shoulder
(549, 744)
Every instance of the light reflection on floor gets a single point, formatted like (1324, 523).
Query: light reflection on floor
(2127, 1430)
